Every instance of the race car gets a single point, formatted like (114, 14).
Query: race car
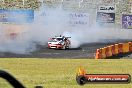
(59, 42)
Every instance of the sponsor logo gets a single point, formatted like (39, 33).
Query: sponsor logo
(103, 78)
(127, 21)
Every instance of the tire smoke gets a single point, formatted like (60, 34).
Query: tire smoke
(50, 22)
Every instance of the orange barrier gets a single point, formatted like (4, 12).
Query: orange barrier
(130, 46)
(108, 51)
(125, 47)
(116, 49)
(113, 50)
(120, 48)
(98, 54)
(103, 52)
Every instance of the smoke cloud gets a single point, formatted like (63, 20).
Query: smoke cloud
(50, 22)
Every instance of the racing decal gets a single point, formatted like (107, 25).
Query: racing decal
(127, 21)
(16, 16)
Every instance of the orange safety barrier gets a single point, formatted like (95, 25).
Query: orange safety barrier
(98, 54)
(125, 47)
(130, 46)
(108, 51)
(103, 52)
(113, 50)
(120, 48)
(116, 49)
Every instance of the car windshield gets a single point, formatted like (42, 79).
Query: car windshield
(56, 39)
(59, 39)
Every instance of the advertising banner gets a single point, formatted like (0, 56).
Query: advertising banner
(108, 9)
(127, 21)
(78, 19)
(16, 16)
(106, 14)
(105, 17)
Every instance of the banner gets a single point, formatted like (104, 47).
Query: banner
(127, 21)
(106, 14)
(16, 16)
(105, 17)
(106, 9)
(78, 19)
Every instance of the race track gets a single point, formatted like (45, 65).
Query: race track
(84, 51)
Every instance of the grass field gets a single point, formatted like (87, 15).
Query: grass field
(61, 73)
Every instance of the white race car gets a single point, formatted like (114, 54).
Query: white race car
(59, 42)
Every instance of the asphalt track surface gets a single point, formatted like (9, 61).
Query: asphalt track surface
(86, 51)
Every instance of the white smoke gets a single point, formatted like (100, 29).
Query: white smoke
(50, 22)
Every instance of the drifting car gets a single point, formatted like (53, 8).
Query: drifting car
(59, 42)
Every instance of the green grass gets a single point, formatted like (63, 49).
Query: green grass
(61, 73)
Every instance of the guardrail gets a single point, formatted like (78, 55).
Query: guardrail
(113, 50)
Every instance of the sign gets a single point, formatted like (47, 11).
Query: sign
(16, 16)
(106, 14)
(103, 78)
(105, 17)
(78, 19)
(127, 21)
(108, 9)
